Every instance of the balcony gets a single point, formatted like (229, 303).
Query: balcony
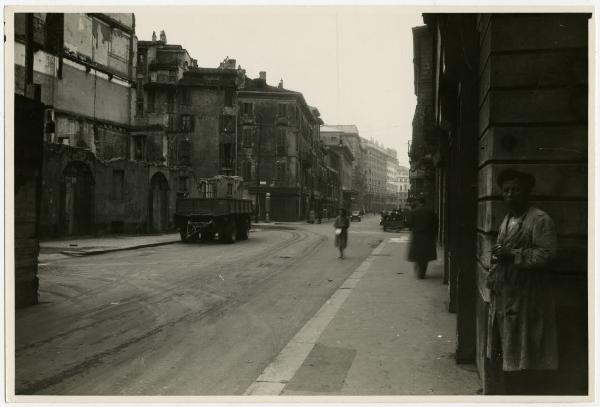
(152, 119)
(282, 120)
(229, 110)
(163, 65)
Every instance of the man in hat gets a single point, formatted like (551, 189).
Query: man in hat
(422, 249)
(522, 320)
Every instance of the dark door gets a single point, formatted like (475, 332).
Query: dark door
(159, 203)
(77, 199)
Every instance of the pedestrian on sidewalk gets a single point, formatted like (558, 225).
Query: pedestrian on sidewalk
(423, 224)
(341, 226)
(522, 337)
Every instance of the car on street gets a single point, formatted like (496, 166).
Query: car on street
(355, 216)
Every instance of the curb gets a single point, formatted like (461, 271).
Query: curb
(118, 249)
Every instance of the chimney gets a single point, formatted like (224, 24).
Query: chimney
(263, 75)
(228, 63)
(280, 86)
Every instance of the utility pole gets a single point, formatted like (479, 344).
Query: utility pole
(259, 127)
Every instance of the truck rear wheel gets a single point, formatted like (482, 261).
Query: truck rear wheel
(229, 232)
(187, 239)
(243, 229)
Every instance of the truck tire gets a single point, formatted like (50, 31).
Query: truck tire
(229, 232)
(190, 239)
(243, 229)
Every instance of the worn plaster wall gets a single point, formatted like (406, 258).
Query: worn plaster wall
(117, 207)
(206, 107)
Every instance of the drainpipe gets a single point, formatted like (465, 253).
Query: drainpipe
(236, 139)
(259, 121)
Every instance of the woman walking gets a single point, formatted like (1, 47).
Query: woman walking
(341, 226)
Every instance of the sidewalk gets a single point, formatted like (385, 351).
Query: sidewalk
(89, 245)
(382, 333)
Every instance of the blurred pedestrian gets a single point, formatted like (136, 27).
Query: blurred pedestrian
(522, 336)
(341, 226)
(423, 224)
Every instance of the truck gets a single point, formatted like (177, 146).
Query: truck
(221, 212)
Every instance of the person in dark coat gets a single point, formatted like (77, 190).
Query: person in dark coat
(341, 226)
(423, 224)
(522, 328)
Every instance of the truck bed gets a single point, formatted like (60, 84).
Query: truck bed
(212, 206)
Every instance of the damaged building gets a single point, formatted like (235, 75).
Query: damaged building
(101, 173)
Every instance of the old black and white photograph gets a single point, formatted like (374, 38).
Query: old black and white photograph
(289, 202)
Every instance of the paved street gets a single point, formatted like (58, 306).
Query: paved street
(123, 323)
(208, 319)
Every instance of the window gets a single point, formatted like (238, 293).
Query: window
(118, 185)
(247, 137)
(139, 148)
(171, 102)
(184, 152)
(281, 142)
(247, 170)
(228, 98)
(171, 122)
(187, 122)
(183, 184)
(172, 76)
(229, 189)
(248, 109)
(186, 96)
(151, 100)
(140, 107)
(281, 173)
(227, 152)
(282, 110)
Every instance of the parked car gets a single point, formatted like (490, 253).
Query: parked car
(394, 220)
(355, 216)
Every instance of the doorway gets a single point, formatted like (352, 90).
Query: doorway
(159, 203)
(77, 199)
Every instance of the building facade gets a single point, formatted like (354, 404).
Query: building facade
(403, 186)
(341, 158)
(498, 91)
(393, 182)
(84, 67)
(376, 176)
(350, 134)
(279, 150)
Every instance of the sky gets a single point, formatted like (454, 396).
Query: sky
(354, 63)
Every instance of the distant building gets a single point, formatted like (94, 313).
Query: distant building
(351, 135)
(279, 149)
(392, 182)
(376, 170)
(403, 186)
(342, 160)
